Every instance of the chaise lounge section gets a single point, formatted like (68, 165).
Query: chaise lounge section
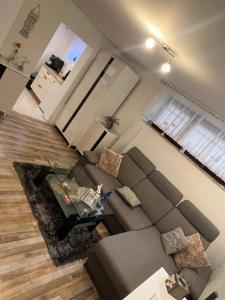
(121, 262)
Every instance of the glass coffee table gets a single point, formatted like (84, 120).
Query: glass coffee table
(64, 187)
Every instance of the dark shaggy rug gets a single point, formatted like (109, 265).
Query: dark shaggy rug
(47, 211)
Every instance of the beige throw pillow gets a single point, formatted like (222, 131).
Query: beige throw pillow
(194, 255)
(110, 162)
(129, 196)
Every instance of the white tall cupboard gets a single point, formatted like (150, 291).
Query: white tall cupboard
(101, 91)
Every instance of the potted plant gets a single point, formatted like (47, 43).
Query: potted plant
(110, 122)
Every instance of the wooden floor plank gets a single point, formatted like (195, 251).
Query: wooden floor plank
(26, 270)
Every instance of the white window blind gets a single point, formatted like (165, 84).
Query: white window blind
(194, 128)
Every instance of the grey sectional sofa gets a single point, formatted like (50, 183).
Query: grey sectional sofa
(121, 262)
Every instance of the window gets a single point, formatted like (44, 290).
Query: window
(197, 131)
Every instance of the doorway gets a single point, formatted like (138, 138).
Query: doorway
(49, 79)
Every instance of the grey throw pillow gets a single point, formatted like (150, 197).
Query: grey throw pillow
(129, 196)
(174, 241)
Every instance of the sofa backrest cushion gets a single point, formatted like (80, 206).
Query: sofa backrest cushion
(130, 174)
(154, 203)
(141, 160)
(176, 219)
(203, 225)
(165, 187)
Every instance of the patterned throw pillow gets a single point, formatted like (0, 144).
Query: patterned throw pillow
(129, 196)
(194, 256)
(110, 162)
(174, 241)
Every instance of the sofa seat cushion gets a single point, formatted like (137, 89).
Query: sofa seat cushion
(131, 257)
(100, 177)
(174, 219)
(154, 204)
(197, 280)
(130, 174)
(129, 218)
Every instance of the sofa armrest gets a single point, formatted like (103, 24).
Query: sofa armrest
(92, 157)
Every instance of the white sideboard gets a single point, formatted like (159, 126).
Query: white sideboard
(153, 288)
(44, 81)
(96, 138)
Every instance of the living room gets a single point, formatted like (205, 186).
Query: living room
(152, 50)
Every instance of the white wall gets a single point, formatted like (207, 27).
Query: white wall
(8, 12)
(52, 14)
(194, 184)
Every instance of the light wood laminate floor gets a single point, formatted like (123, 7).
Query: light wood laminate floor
(26, 270)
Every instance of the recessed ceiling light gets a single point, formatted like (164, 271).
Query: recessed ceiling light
(150, 43)
(155, 31)
(166, 68)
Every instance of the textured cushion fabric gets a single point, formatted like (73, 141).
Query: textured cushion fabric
(196, 281)
(203, 225)
(92, 157)
(154, 204)
(129, 196)
(130, 258)
(129, 173)
(100, 177)
(174, 241)
(165, 187)
(194, 255)
(110, 162)
(141, 160)
(174, 219)
(129, 218)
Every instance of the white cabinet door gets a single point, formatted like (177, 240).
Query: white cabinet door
(83, 88)
(94, 106)
(11, 86)
(48, 103)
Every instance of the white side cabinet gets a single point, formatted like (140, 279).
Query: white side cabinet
(43, 82)
(96, 137)
(153, 288)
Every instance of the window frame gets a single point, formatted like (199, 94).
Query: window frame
(205, 115)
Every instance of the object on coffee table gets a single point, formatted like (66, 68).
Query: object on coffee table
(67, 200)
(177, 286)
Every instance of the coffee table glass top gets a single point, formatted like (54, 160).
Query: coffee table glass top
(64, 188)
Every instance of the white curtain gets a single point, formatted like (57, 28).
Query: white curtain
(197, 130)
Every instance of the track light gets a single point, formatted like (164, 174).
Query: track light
(150, 43)
(166, 68)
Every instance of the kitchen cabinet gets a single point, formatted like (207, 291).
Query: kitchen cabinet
(45, 80)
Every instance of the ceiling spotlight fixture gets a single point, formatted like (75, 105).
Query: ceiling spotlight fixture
(166, 68)
(150, 43)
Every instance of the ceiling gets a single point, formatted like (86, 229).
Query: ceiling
(195, 29)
